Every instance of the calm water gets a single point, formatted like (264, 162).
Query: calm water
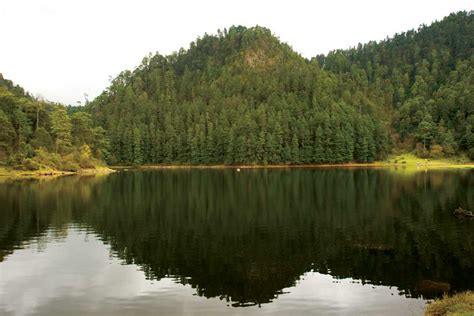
(300, 241)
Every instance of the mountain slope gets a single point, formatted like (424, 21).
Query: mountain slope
(36, 134)
(425, 78)
(239, 97)
(242, 96)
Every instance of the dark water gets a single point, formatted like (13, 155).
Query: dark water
(300, 241)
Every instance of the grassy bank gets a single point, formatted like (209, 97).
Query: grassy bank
(411, 160)
(461, 304)
(12, 173)
(405, 161)
(45, 172)
(279, 166)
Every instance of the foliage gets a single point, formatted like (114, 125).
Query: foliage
(28, 164)
(242, 96)
(68, 163)
(36, 134)
(458, 304)
(422, 79)
(239, 97)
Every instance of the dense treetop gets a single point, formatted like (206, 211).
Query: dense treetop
(242, 96)
(425, 78)
(238, 97)
(38, 134)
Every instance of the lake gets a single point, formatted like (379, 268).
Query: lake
(203, 242)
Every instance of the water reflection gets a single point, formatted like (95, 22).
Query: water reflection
(77, 275)
(245, 237)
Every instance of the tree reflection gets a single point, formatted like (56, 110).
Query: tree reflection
(246, 236)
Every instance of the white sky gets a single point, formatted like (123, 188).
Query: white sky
(63, 49)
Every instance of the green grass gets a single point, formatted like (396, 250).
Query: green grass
(410, 160)
(461, 304)
(11, 173)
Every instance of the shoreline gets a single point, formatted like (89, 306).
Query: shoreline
(401, 161)
(243, 166)
(51, 173)
(461, 303)
(303, 166)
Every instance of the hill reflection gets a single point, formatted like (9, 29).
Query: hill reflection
(246, 236)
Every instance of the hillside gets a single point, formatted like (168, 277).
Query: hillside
(239, 97)
(424, 78)
(37, 135)
(242, 96)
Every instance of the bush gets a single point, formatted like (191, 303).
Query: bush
(67, 163)
(458, 304)
(15, 159)
(87, 164)
(47, 159)
(421, 151)
(29, 165)
(85, 157)
(72, 162)
(436, 151)
(448, 150)
(471, 154)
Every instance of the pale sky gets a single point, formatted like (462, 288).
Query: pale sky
(63, 49)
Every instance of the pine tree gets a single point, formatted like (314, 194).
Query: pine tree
(137, 147)
(61, 129)
(425, 131)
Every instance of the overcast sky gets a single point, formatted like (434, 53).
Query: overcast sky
(63, 49)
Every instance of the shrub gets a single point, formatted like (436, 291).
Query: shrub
(85, 157)
(46, 158)
(421, 151)
(458, 304)
(15, 159)
(448, 150)
(29, 165)
(436, 151)
(87, 164)
(67, 163)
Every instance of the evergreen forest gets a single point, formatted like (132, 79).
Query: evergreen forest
(242, 96)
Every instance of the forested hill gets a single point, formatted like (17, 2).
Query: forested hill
(424, 78)
(239, 97)
(242, 96)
